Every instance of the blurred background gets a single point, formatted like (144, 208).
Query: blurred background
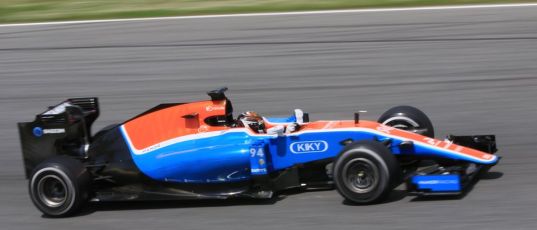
(471, 70)
(54, 10)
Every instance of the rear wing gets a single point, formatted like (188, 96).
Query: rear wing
(63, 129)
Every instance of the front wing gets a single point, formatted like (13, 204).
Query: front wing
(454, 179)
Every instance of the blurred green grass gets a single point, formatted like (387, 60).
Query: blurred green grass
(12, 11)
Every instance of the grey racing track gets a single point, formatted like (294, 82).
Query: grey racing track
(473, 71)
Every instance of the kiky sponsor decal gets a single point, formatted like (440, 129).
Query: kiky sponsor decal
(308, 147)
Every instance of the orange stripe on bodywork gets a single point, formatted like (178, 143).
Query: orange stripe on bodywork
(430, 141)
(320, 125)
(165, 124)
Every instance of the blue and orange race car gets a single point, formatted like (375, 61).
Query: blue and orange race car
(199, 150)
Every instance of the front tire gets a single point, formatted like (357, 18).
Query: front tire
(366, 172)
(408, 118)
(59, 186)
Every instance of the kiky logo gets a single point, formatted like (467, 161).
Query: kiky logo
(308, 147)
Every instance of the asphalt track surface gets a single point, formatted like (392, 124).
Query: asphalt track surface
(473, 71)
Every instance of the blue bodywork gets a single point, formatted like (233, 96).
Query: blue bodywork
(437, 183)
(237, 154)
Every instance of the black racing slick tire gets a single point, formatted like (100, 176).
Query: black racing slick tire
(408, 118)
(59, 186)
(365, 172)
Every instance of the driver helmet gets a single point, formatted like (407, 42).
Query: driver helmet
(252, 120)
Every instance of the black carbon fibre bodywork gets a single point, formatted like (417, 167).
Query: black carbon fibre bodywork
(64, 129)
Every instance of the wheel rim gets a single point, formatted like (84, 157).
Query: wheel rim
(361, 175)
(52, 191)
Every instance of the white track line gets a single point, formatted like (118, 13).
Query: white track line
(277, 14)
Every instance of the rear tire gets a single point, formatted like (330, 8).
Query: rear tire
(366, 172)
(59, 186)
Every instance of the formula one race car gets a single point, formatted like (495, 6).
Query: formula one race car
(199, 150)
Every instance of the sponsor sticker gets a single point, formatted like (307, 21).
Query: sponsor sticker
(259, 170)
(38, 131)
(438, 182)
(308, 147)
(203, 129)
(385, 129)
(210, 108)
(53, 131)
